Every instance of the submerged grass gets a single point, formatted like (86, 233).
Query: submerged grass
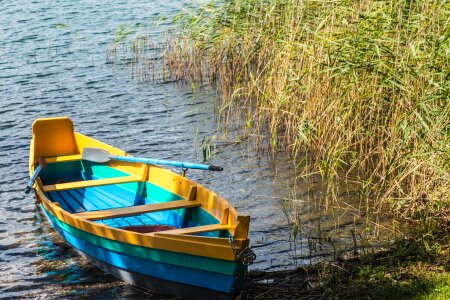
(358, 91)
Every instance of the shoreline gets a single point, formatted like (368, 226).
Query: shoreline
(406, 271)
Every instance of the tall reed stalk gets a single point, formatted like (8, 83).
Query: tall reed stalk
(361, 88)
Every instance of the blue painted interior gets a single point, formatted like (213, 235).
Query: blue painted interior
(120, 195)
(76, 171)
(154, 194)
(115, 196)
(198, 216)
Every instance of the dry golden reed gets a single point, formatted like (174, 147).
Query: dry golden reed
(360, 88)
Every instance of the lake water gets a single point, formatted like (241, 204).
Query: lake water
(53, 62)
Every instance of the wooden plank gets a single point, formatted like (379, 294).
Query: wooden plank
(225, 214)
(241, 230)
(194, 230)
(113, 200)
(138, 209)
(76, 204)
(89, 183)
(62, 202)
(56, 159)
(192, 193)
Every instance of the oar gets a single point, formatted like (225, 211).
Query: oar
(101, 156)
(42, 164)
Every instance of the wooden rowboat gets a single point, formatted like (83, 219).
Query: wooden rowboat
(142, 223)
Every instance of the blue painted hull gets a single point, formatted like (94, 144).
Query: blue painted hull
(163, 278)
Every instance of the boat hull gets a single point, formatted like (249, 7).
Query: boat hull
(162, 287)
(159, 277)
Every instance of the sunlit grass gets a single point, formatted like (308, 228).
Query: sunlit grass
(406, 271)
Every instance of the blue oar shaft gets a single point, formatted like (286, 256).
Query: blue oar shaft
(102, 156)
(173, 163)
(33, 179)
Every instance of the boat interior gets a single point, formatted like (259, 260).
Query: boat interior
(87, 190)
(134, 197)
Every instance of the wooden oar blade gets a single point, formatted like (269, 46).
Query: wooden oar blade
(95, 155)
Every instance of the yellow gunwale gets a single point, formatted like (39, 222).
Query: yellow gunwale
(177, 241)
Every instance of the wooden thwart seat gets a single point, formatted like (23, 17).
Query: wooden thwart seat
(55, 159)
(138, 209)
(194, 230)
(90, 183)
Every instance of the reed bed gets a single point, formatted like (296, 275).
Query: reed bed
(357, 91)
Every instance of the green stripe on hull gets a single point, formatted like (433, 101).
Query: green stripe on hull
(179, 259)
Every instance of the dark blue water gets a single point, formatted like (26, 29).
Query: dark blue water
(54, 62)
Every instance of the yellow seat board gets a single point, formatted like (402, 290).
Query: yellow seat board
(90, 183)
(194, 230)
(138, 209)
(64, 158)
